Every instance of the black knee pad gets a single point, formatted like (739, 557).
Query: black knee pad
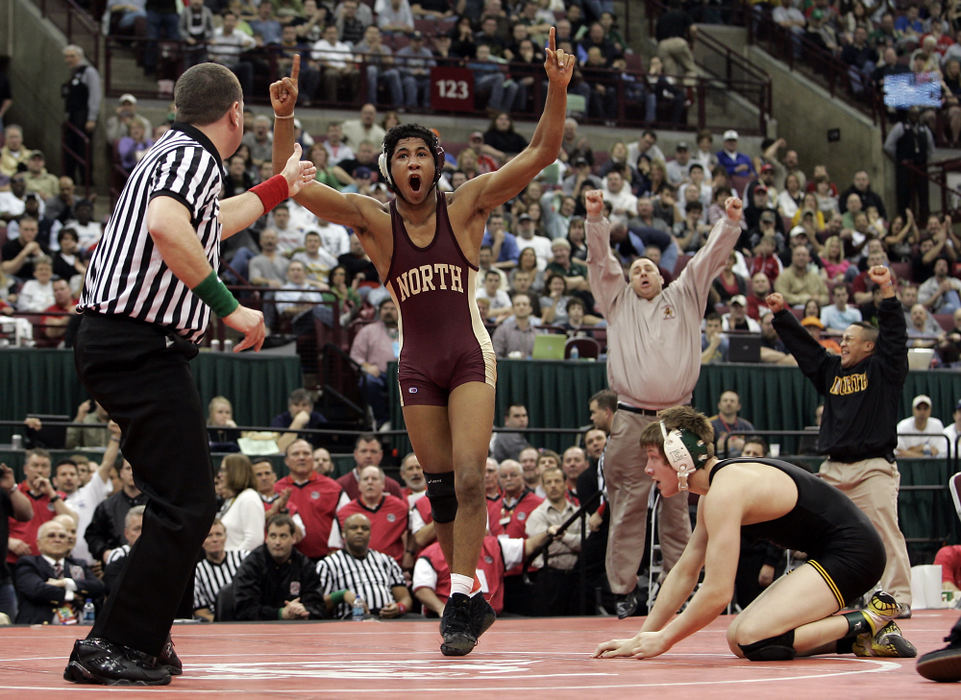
(443, 498)
(780, 648)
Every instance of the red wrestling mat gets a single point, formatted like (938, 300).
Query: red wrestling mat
(542, 658)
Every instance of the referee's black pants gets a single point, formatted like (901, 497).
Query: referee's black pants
(140, 374)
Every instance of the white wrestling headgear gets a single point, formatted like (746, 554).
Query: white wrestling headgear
(415, 131)
(684, 451)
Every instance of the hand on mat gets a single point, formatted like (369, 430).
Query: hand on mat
(644, 645)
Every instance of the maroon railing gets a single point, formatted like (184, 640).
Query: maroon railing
(76, 23)
(843, 81)
(738, 77)
(725, 64)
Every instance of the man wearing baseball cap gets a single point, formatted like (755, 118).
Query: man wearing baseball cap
(921, 435)
(45, 185)
(735, 163)
(118, 125)
(736, 319)
(677, 169)
(485, 163)
(815, 327)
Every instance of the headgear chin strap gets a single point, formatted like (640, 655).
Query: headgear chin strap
(684, 451)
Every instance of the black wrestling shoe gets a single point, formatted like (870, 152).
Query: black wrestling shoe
(100, 662)
(168, 658)
(943, 665)
(456, 627)
(627, 605)
(482, 615)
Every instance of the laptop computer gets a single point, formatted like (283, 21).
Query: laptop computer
(744, 348)
(50, 436)
(549, 346)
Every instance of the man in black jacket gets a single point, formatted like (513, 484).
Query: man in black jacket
(276, 582)
(106, 529)
(861, 186)
(862, 393)
(51, 585)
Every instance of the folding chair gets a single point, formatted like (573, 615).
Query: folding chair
(954, 487)
(655, 565)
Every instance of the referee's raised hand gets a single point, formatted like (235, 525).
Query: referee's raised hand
(298, 172)
(250, 322)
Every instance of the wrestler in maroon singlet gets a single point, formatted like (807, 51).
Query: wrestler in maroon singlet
(443, 341)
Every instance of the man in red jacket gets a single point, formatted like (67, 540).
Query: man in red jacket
(316, 497)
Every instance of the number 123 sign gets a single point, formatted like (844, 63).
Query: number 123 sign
(452, 89)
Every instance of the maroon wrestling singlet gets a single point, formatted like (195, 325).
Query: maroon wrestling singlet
(443, 341)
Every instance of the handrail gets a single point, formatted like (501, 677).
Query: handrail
(83, 160)
(732, 58)
(756, 89)
(818, 65)
(733, 61)
(937, 174)
(76, 24)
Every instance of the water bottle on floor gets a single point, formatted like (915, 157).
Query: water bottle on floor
(357, 610)
(89, 612)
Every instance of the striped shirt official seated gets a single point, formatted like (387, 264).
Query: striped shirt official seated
(368, 574)
(214, 571)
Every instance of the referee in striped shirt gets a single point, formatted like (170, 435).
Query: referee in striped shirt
(374, 576)
(146, 302)
(215, 571)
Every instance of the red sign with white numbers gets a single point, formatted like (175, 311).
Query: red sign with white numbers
(452, 89)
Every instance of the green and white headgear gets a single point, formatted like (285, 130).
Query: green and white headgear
(685, 451)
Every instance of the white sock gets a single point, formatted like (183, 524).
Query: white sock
(461, 584)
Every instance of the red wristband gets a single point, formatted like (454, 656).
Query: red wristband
(272, 191)
(402, 608)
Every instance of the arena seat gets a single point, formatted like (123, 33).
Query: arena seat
(902, 270)
(945, 320)
(586, 348)
(634, 63)
(954, 487)
(682, 260)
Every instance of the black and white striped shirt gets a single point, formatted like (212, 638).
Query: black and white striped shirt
(371, 578)
(209, 578)
(127, 276)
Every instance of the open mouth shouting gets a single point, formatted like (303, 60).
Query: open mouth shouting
(415, 182)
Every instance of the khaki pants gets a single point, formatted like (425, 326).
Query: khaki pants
(628, 489)
(873, 486)
(675, 54)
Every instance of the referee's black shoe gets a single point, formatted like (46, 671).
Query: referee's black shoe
(482, 615)
(168, 658)
(456, 626)
(100, 662)
(943, 665)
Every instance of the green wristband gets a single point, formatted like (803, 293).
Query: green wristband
(215, 294)
(337, 597)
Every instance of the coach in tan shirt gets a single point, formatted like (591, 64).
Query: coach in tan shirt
(653, 362)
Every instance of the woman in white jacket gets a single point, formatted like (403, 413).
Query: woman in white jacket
(243, 511)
